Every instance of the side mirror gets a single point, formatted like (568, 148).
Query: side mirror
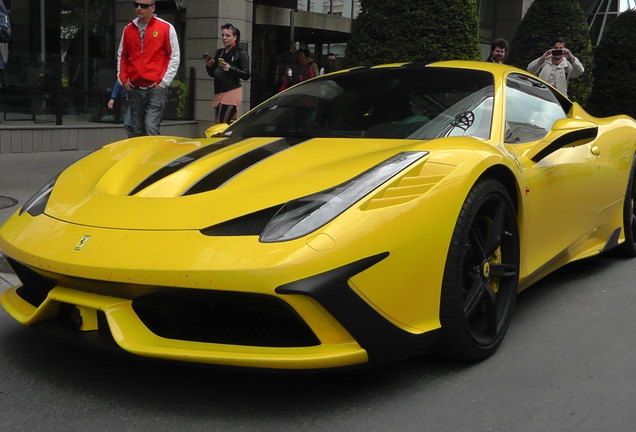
(565, 132)
(216, 131)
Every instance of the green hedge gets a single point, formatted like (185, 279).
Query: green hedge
(395, 31)
(614, 90)
(546, 20)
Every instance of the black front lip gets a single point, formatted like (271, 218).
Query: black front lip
(382, 339)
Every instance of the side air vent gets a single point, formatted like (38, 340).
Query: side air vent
(410, 187)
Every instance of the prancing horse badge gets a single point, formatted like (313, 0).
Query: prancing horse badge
(80, 245)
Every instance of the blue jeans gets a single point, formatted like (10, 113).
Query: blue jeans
(146, 109)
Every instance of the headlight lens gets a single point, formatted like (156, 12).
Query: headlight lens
(302, 216)
(37, 203)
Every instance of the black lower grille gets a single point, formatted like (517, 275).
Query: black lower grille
(223, 317)
(35, 287)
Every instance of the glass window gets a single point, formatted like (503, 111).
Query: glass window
(410, 102)
(531, 109)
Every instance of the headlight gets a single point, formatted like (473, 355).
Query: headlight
(302, 216)
(37, 203)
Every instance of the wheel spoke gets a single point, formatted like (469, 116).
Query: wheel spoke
(495, 234)
(503, 270)
(474, 295)
(478, 240)
(490, 302)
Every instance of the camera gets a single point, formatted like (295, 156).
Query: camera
(557, 52)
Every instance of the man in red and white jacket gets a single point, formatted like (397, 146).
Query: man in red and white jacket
(147, 62)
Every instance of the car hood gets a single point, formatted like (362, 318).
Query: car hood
(167, 183)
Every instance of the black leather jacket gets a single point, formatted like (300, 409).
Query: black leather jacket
(239, 69)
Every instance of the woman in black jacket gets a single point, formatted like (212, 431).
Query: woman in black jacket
(228, 66)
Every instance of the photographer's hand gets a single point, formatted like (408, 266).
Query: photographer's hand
(546, 56)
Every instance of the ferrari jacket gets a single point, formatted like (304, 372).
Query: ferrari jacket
(153, 60)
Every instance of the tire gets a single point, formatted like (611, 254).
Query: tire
(628, 247)
(481, 275)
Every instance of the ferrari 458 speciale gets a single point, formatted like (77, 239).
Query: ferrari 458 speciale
(356, 218)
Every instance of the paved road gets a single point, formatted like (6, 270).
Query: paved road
(568, 363)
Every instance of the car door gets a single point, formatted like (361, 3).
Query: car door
(563, 190)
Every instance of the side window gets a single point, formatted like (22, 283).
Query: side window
(531, 109)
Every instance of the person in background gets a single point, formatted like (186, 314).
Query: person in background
(498, 49)
(228, 67)
(331, 64)
(5, 37)
(311, 62)
(278, 66)
(557, 66)
(297, 71)
(147, 62)
(120, 92)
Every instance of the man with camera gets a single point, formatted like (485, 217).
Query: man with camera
(557, 66)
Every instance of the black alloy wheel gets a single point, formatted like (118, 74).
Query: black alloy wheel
(481, 275)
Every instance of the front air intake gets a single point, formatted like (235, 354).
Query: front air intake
(223, 317)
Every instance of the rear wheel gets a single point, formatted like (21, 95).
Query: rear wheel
(481, 275)
(628, 248)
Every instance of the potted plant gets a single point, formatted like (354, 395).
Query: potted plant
(177, 100)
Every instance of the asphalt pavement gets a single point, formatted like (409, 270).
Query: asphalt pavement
(21, 175)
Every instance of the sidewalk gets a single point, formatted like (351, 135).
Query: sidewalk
(23, 174)
(8, 280)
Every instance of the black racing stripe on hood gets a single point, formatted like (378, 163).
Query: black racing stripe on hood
(226, 172)
(183, 161)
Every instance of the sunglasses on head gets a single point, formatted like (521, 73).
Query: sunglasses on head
(142, 5)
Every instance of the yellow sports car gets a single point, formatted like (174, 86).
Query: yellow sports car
(356, 218)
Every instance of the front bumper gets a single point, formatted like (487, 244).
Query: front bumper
(132, 335)
(101, 288)
(337, 329)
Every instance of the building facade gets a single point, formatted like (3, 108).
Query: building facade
(67, 48)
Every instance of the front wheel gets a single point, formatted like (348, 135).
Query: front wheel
(481, 275)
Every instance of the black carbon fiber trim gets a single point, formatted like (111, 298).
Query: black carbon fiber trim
(250, 224)
(35, 287)
(225, 173)
(381, 339)
(183, 161)
(588, 134)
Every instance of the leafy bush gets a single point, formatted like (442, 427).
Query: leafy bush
(614, 90)
(178, 94)
(546, 20)
(396, 31)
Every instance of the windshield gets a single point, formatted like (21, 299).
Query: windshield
(408, 102)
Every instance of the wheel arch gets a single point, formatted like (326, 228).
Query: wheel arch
(508, 180)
